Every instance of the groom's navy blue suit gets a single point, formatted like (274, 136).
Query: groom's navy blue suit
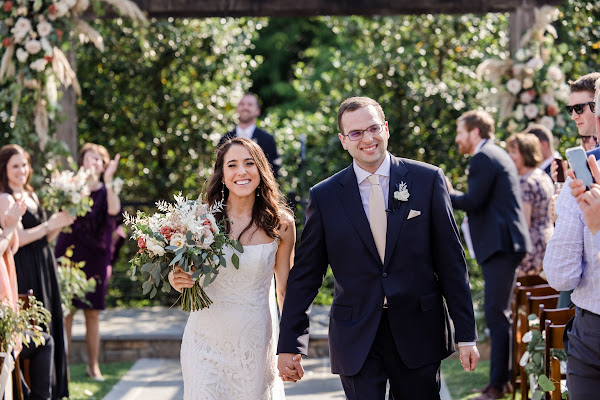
(424, 264)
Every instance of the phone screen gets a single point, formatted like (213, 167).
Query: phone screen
(578, 162)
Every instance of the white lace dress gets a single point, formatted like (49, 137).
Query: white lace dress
(228, 350)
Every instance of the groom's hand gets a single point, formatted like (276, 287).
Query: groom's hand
(469, 355)
(290, 367)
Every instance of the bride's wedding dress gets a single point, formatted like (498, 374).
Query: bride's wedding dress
(228, 350)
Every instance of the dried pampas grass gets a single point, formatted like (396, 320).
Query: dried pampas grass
(63, 71)
(7, 67)
(40, 121)
(89, 33)
(127, 8)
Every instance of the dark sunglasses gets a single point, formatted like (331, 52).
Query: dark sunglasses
(579, 107)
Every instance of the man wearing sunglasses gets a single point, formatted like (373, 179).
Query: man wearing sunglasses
(582, 339)
(581, 108)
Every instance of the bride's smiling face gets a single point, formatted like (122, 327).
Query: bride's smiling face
(240, 173)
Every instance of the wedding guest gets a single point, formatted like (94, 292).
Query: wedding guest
(581, 108)
(582, 339)
(572, 242)
(40, 356)
(501, 237)
(34, 262)
(536, 192)
(247, 111)
(546, 139)
(92, 238)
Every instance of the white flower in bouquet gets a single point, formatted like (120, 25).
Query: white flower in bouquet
(205, 238)
(555, 73)
(61, 9)
(38, 65)
(513, 86)
(22, 55)
(44, 28)
(33, 46)
(531, 111)
(21, 29)
(547, 121)
(527, 83)
(75, 198)
(70, 3)
(155, 247)
(177, 240)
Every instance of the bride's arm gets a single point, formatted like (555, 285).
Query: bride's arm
(285, 256)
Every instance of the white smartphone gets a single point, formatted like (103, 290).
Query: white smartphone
(579, 164)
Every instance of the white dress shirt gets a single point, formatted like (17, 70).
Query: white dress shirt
(364, 187)
(245, 133)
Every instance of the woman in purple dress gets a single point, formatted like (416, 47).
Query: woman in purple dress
(91, 238)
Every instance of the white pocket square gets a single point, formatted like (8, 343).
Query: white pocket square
(413, 214)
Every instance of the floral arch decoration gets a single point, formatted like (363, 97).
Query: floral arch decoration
(33, 34)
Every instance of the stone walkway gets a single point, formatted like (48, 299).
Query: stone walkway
(152, 337)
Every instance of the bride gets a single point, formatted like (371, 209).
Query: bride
(228, 350)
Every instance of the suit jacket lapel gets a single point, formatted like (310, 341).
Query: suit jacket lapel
(350, 199)
(398, 210)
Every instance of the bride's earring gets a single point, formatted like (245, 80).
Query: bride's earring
(258, 191)
(223, 191)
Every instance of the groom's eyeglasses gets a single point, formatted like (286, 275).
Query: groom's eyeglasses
(579, 107)
(358, 134)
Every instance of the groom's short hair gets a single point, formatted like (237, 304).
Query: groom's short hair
(354, 103)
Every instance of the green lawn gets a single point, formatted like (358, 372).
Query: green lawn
(460, 382)
(81, 387)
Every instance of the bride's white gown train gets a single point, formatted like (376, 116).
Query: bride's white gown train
(228, 350)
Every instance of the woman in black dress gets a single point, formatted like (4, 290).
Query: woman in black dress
(34, 261)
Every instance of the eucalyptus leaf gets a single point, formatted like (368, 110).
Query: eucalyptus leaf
(153, 293)
(546, 384)
(235, 260)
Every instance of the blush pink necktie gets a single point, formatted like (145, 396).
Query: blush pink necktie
(377, 215)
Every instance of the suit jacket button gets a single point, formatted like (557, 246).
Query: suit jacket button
(385, 274)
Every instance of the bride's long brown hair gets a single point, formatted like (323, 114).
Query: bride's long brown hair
(269, 202)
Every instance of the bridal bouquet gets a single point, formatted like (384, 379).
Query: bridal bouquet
(68, 191)
(183, 234)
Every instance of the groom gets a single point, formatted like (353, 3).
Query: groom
(386, 228)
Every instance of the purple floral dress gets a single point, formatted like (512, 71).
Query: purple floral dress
(537, 189)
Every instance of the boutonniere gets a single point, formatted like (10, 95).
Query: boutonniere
(402, 193)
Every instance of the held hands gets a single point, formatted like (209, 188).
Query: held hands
(110, 170)
(180, 279)
(469, 356)
(290, 367)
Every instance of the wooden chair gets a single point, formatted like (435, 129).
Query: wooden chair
(531, 280)
(554, 340)
(520, 325)
(557, 316)
(532, 306)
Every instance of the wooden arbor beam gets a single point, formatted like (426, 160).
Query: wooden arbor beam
(304, 8)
